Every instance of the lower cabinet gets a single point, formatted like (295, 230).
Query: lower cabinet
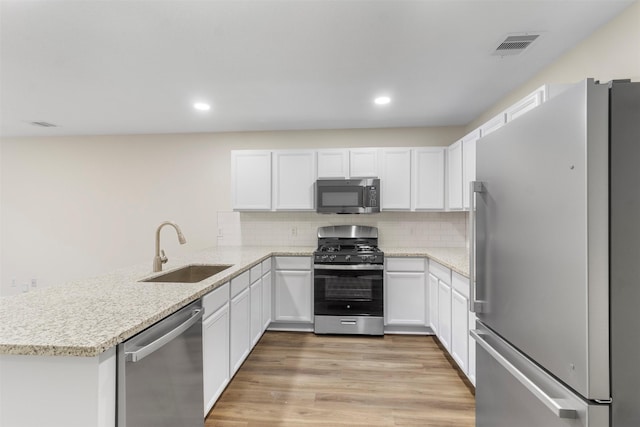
(267, 300)
(215, 344)
(215, 355)
(293, 296)
(256, 311)
(460, 330)
(240, 338)
(444, 314)
(433, 303)
(405, 297)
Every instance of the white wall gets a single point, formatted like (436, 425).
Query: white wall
(78, 206)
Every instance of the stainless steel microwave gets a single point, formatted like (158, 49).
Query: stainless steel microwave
(348, 196)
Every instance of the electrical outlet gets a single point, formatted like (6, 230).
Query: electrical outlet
(220, 232)
(25, 287)
(294, 231)
(13, 282)
(34, 283)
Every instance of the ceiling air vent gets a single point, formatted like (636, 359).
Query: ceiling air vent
(43, 124)
(515, 44)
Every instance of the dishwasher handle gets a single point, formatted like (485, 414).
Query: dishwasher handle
(141, 353)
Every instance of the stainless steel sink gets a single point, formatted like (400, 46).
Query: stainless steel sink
(189, 273)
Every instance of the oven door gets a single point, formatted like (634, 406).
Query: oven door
(348, 290)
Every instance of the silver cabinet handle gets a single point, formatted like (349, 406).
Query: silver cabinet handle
(555, 405)
(475, 305)
(136, 356)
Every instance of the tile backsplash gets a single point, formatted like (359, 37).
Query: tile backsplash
(395, 229)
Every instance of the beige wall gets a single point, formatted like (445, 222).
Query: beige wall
(78, 206)
(612, 52)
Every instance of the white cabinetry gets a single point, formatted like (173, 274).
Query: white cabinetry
(405, 292)
(433, 303)
(251, 180)
(363, 162)
(240, 336)
(256, 303)
(454, 175)
(333, 163)
(493, 125)
(443, 274)
(293, 296)
(395, 179)
(427, 183)
(215, 344)
(294, 177)
(468, 164)
(267, 299)
(460, 321)
(526, 104)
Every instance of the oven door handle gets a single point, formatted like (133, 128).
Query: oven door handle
(348, 267)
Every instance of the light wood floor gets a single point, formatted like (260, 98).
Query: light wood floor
(301, 379)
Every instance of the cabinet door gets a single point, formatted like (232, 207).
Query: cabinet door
(468, 164)
(240, 338)
(454, 174)
(526, 104)
(492, 125)
(215, 355)
(251, 180)
(396, 179)
(428, 178)
(405, 298)
(460, 330)
(256, 312)
(333, 163)
(444, 314)
(433, 303)
(363, 163)
(293, 296)
(266, 300)
(294, 177)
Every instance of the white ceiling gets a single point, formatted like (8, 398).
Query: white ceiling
(124, 67)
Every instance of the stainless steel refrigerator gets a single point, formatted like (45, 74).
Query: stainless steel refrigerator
(556, 244)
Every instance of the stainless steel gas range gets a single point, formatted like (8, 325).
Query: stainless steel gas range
(348, 280)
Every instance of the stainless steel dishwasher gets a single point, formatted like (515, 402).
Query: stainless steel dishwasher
(160, 373)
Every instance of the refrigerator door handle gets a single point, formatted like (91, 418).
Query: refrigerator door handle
(475, 306)
(557, 406)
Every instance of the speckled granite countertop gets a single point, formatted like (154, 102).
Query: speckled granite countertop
(89, 316)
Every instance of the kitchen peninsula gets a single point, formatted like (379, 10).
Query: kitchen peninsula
(57, 345)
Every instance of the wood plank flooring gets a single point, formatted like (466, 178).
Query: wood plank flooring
(302, 379)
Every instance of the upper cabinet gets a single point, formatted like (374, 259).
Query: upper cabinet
(363, 163)
(333, 163)
(468, 164)
(251, 180)
(294, 177)
(454, 175)
(427, 183)
(395, 179)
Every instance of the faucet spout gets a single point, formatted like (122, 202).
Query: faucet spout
(158, 259)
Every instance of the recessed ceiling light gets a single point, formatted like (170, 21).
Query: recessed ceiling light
(382, 100)
(201, 106)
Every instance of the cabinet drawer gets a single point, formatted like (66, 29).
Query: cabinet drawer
(266, 266)
(293, 263)
(239, 283)
(460, 284)
(215, 299)
(440, 271)
(256, 272)
(405, 264)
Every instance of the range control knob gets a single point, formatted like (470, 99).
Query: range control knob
(332, 257)
(324, 257)
(347, 257)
